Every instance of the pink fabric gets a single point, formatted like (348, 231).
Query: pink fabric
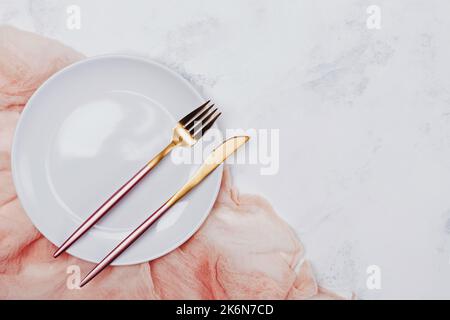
(243, 251)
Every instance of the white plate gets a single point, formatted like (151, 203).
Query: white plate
(85, 132)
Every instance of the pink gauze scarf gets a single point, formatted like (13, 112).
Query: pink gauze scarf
(208, 266)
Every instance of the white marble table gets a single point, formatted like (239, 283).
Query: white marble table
(363, 114)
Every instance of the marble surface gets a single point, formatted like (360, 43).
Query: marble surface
(363, 115)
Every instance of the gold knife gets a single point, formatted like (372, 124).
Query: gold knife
(214, 159)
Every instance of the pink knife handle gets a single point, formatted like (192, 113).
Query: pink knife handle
(128, 241)
(103, 209)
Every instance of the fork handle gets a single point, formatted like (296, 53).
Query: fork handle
(112, 200)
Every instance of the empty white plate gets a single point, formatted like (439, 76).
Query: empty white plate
(85, 132)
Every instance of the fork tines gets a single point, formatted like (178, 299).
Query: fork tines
(200, 120)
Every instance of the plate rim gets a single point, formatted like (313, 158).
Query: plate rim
(16, 138)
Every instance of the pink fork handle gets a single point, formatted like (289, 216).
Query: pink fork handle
(104, 208)
(128, 241)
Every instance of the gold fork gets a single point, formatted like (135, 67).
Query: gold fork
(185, 134)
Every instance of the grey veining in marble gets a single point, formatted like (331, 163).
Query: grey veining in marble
(364, 115)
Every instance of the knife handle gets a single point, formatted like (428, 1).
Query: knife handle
(128, 241)
(133, 236)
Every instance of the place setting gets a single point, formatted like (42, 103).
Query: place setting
(91, 160)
